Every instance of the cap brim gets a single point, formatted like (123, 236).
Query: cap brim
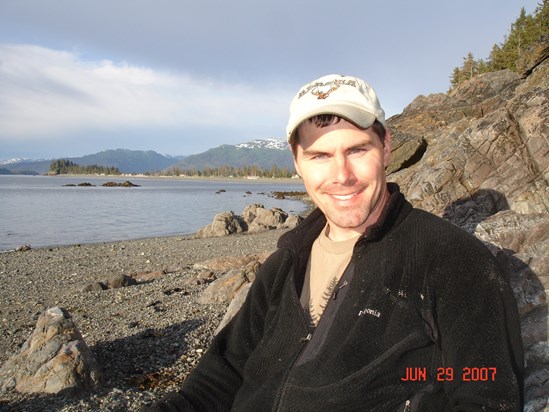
(356, 115)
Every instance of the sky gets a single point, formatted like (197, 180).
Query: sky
(180, 77)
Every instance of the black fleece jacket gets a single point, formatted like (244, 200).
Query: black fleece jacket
(419, 295)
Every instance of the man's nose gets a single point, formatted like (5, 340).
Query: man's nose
(343, 170)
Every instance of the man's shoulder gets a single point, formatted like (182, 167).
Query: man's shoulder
(439, 230)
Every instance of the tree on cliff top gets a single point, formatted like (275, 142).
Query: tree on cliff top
(525, 31)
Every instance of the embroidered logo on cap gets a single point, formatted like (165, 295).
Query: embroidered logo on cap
(323, 89)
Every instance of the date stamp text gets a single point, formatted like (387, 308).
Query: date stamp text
(466, 374)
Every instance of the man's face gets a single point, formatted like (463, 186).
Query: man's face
(343, 169)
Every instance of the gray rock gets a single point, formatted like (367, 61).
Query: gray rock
(94, 287)
(228, 285)
(54, 359)
(234, 306)
(255, 218)
(490, 133)
(224, 224)
(224, 288)
(292, 221)
(120, 281)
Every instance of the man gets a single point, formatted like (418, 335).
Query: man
(369, 304)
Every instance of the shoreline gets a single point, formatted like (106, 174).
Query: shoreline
(263, 180)
(20, 232)
(155, 328)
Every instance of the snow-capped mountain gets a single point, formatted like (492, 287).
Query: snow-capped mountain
(270, 143)
(13, 161)
(264, 153)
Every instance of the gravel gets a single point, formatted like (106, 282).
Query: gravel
(146, 337)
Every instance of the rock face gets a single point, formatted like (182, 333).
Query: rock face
(55, 359)
(479, 156)
(488, 134)
(255, 218)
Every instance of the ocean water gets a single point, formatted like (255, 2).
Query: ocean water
(42, 212)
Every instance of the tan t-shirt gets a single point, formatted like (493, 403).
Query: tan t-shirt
(326, 264)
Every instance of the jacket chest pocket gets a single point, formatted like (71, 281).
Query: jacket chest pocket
(390, 316)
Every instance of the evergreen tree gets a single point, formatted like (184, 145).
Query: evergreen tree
(525, 31)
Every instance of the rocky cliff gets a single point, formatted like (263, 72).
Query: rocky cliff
(479, 156)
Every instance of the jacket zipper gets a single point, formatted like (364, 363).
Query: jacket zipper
(307, 339)
(407, 406)
(304, 340)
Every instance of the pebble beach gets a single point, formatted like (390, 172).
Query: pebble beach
(146, 337)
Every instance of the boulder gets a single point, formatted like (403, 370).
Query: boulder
(267, 219)
(234, 306)
(225, 223)
(226, 287)
(54, 359)
(292, 221)
(226, 263)
(255, 218)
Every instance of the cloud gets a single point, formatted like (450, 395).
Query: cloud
(46, 92)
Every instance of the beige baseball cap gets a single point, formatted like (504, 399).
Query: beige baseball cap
(345, 96)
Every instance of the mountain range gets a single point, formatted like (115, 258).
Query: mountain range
(263, 153)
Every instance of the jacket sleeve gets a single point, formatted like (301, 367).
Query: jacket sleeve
(480, 335)
(213, 384)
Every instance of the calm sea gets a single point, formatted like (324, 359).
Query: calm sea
(41, 211)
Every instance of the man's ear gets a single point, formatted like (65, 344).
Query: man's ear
(297, 168)
(387, 148)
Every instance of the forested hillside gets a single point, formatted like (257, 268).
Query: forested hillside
(526, 31)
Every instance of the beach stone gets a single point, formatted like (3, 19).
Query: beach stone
(95, 287)
(113, 282)
(54, 359)
(205, 276)
(120, 281)
(147, 276)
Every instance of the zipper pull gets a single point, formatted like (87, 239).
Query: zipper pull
(407, 405)
(334, 295)
(307, 338)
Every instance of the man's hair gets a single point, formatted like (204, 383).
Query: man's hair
(324, 120)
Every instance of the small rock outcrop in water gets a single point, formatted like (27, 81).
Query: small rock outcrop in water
(127, 183)
(55, 359)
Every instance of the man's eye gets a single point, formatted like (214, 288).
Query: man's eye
(358, 150)
(319, 157)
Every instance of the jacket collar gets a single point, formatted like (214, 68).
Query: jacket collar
(303, 235)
